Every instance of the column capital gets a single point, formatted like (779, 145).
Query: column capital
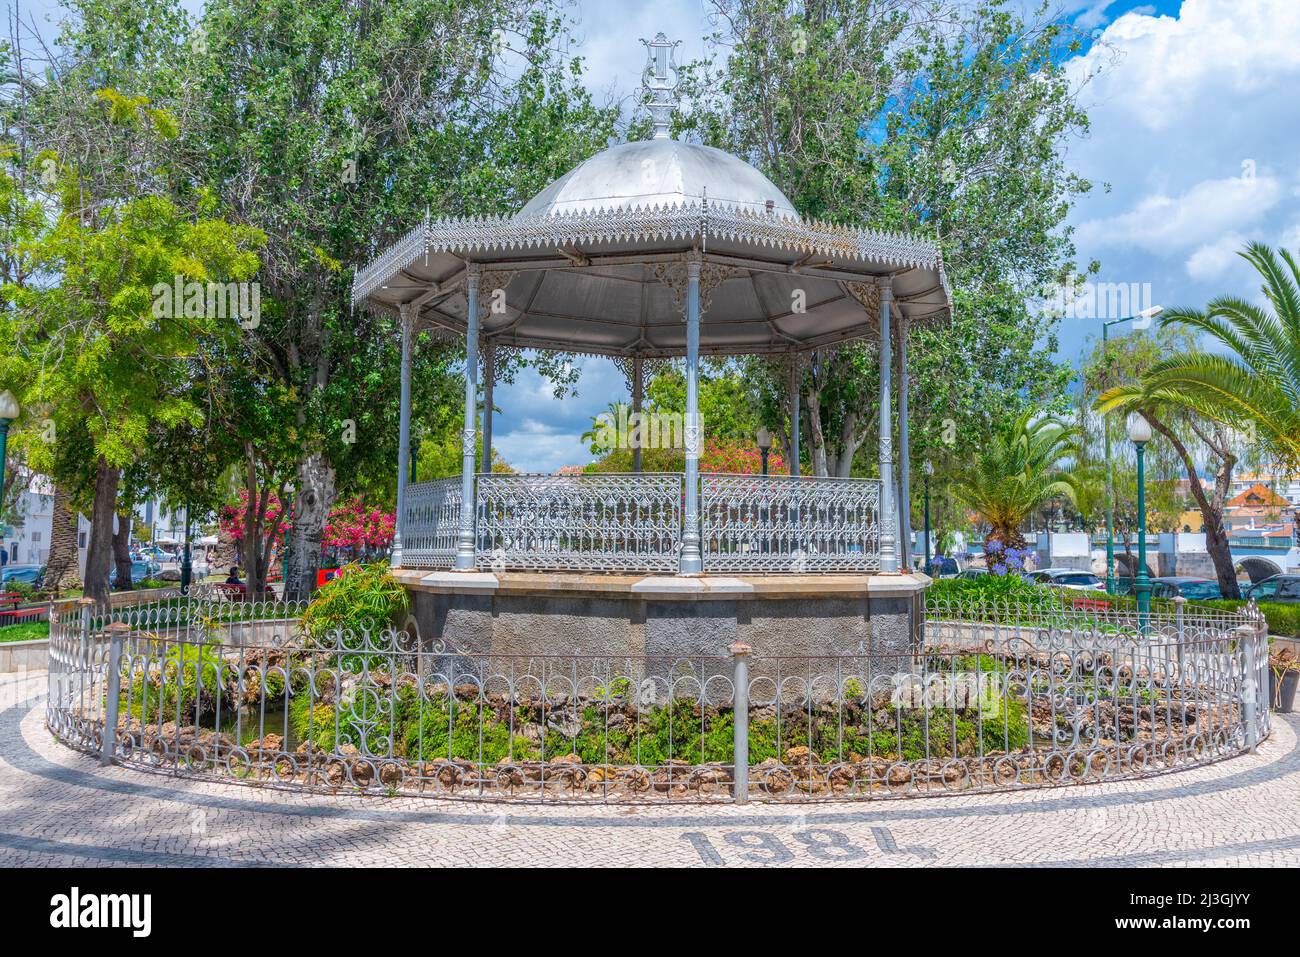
(473, 271)
(886, 286)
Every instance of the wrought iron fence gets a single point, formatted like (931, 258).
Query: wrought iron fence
(430, 523)
(633, 522)
(789, 524)
(961, 711)
(587, 522)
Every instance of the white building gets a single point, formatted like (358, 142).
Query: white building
(28, 542)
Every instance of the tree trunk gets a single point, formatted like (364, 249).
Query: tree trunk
(122, 552)
(99, 552)
(256, 541)
(316, 492)
(1009, 537)
(1220, 551)
(817, 438)
(226, 552)
(61, 566)
(1216, 537)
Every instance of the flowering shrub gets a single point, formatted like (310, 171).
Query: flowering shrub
(353, 529)
(230, 518)
(742, 458)
(359, 527)
(719, 455)
(1006, 561)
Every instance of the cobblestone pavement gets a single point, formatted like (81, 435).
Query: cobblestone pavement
(60, 808)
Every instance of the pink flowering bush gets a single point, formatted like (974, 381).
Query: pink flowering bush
(230, 518)
(353, 528)
(358, 527)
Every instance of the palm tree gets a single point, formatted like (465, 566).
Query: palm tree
(61, 563)
(598, 435)
(1016, 471)
(1257, 384)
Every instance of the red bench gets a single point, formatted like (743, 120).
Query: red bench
(1091, 604)
(20, 616)
(232, 592)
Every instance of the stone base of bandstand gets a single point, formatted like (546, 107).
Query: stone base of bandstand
(815, 619)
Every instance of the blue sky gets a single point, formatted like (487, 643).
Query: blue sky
(1195, 129)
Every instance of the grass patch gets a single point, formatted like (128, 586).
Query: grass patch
(28, 631)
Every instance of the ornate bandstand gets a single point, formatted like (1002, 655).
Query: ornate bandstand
(646, 252)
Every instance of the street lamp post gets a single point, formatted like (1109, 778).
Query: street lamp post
(929, 470)
(764, 439)
(1146, 315)
(286, 518)
(764, 445)
(187, 567)
(8, 412)
(1139, 431)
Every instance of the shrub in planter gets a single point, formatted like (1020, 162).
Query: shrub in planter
(361, 598)
(1283, 676)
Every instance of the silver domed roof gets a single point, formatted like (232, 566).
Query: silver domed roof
(658, 172)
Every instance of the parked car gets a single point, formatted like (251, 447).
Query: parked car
(1070, 578)
(1196, 589)
(27, 574)
(969, 573)
(140, 570)
(150, 554)
(1279, 588)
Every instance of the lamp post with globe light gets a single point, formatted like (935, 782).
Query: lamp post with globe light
(929, 470)
(764, 438)
(1145, 317)
(8, 413)
(1139, 432)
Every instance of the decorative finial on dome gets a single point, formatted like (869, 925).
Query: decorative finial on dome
(660, 61)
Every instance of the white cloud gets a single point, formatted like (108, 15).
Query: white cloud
(1214, 259)
(547, 451)
(1162, 223)
(1094, 15)
(1212, 49)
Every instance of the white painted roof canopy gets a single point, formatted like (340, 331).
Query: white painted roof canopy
(596, 263)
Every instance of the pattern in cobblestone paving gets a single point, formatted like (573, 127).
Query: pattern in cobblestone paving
(60, 808)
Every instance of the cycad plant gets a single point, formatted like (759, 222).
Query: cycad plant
(1255, 384)
(1018, 469)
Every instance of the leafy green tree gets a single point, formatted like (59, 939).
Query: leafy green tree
(1124, 359)
(335, 127)
(950, 126)
(95, 348)
(1247, 397)
(1254, 385)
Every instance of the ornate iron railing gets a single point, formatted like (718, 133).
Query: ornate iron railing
(788, 524)
(596, 522)
(633, 523)
(430, 523)
(384, 712)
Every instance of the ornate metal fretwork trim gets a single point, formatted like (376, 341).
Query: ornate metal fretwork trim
(684, 222)
(676, 276)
